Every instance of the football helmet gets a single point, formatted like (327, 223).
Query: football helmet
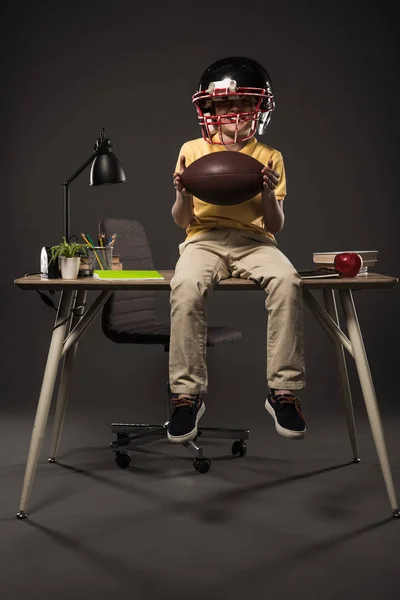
(234, 78)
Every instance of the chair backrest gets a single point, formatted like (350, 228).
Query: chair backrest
(126, 312)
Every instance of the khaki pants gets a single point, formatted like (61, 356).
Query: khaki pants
(204, 260)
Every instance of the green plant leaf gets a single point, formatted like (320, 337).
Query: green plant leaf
(69, 250)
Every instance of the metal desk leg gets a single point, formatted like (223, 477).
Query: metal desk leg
(347, 402)
(368, 391)
(67, 368)
(46, 393)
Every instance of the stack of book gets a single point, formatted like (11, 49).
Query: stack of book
(325, 260)
(116, 263)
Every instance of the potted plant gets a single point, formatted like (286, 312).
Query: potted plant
(68, 255)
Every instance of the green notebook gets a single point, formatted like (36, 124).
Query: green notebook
(126, 274)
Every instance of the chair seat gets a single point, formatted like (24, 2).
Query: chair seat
(154, 332)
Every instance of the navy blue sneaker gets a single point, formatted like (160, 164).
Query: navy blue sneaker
(186, 412)
(285, 409)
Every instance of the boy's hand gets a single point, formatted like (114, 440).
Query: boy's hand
(177, 179)
(270, 178)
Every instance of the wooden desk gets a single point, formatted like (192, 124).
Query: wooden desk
(73, 318)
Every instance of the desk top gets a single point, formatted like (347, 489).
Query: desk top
(367, 281)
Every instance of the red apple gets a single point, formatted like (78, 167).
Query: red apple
(348, 264)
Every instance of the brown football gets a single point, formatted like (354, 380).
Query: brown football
(224, 178)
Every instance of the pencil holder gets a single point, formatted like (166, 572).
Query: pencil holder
(99, 258)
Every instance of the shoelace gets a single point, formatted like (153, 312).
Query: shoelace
(291, 400)
(182, 401)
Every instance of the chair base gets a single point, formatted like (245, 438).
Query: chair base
(133, 435)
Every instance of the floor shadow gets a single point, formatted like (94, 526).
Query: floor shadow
(119, 485)
(217, 505)
(122, 571)
(56, 496)
(227, 498)
(272, 568)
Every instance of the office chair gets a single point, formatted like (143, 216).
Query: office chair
(129, 317)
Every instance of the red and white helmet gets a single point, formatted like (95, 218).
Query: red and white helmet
(230, 79)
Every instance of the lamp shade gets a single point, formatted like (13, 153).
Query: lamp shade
(106, 169)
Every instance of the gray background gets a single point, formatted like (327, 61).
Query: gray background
(71, 68)
(288, 520)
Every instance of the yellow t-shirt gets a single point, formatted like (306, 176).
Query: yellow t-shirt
(248, 215)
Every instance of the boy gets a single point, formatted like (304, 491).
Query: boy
(234, 99)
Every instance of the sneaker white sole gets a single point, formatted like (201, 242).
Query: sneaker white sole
(187, 437)
(287, 433)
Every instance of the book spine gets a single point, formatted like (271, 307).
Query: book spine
(329, 258)
(329, 264)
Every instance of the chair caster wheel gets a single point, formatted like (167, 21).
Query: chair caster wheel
(123, 459)
(202, 465)
(239, 448)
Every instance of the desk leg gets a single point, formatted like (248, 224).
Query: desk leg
(60, 328)
(368, 391)
(66, 374)
(330, 304)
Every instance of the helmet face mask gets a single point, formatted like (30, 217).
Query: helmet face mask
(239, 82)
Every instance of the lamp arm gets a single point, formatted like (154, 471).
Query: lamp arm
(82, 168)
(66, 185)
(102, 146)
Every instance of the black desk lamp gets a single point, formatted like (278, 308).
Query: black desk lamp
(106, 169)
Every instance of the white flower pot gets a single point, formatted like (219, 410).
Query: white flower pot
(69, 267)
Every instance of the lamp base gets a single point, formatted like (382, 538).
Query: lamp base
(85, 273)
